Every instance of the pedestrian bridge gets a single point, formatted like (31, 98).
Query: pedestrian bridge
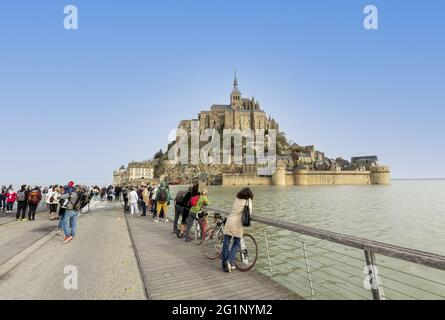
(295, 262)
(173, 269)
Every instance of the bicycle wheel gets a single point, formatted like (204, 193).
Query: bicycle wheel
(247, 254)
(211, 245)
(198, 233)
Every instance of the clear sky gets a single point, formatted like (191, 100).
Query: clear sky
(78, 104)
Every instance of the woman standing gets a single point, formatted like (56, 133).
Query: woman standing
(53, 201)
(11, 196)
(234, 228)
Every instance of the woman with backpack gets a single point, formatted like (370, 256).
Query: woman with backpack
(34, 198)
(196, 202)
(233, 229)
(163, 196)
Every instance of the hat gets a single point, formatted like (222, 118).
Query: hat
(71, 184)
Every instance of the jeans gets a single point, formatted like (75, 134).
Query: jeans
(178, 213)
(32, 211)
(134, 208)
(21, 208)
(3, 202)
(70, 220)
(9, 206)
(190, 220)
(144, 208)
(229, 255)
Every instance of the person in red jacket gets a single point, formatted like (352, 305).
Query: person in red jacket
(11, 196)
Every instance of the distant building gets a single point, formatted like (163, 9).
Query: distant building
(135, 172)
(364, 162)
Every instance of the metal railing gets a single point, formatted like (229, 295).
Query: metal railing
(320, 264)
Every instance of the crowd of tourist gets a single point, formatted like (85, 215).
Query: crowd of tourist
(65, 203)
(187, 205)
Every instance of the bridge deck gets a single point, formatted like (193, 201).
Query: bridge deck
(174, 269)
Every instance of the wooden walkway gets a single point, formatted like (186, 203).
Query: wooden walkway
(175, 270)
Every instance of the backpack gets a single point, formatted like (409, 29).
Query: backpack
(180, 197)
(194, 200)
(21, 196)
(80, 202)
(163, 195)
(34, 197)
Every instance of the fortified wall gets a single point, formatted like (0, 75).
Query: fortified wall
(376, 176)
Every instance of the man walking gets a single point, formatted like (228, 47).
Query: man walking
(22, 203)
(133, 201)
(72, 211)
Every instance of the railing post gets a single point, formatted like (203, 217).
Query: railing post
(308, 270)
(374, 281)
(268, 254)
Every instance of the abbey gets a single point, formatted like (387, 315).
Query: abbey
(240, 114)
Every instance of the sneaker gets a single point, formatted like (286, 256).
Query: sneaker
(228, 266)
(67, 239)
(233, 268)
(24, 219)
(166, 220)
(156, 220)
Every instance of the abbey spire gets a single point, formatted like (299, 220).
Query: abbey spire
(236, 101)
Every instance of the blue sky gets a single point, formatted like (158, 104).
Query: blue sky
(78, 104)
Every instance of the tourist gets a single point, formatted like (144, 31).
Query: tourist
(69, 222)
(163, 196)
(103, 192)
(117, 192)
(22, 203)
(53, 201)
(110, 194)
(133, 201)
(233, 229)
(197, 201)
(125, 196)
(11, 196)
(193, 191)
(179, 205)
(3, 199)
(145, 200)
(34, 198)
(153, 201)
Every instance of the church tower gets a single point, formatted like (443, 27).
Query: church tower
(236, 101)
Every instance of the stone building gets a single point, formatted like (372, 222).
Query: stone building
(134, 173)
(240, 114)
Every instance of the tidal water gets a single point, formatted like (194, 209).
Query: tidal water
(407, 213)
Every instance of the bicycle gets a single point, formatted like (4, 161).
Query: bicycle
(212, 243)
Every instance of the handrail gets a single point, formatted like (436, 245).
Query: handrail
(411, 255)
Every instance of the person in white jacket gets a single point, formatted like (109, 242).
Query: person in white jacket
(52, 200)
(133, 202)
